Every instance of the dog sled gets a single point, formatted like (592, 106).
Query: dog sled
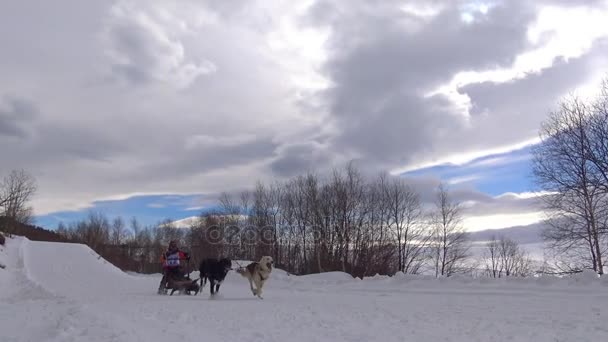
(176, 281)
(183, 285)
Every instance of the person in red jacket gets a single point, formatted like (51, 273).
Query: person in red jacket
(172, 261)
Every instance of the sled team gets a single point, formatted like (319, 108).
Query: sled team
(212, 270)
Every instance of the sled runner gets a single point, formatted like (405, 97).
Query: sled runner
(182, 286)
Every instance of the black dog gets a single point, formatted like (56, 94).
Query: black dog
(214, 270)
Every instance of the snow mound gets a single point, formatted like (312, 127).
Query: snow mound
(586, 277)
(69, 269)
(327, 277)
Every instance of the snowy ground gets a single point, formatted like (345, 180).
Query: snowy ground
(63, 292)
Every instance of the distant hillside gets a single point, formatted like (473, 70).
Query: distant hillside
(521, 234)
(31, 232)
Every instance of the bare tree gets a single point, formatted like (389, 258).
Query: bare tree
(135, 227)
(229, 205)
(597, 131)
(450, 243)
(381, 251)
(119, 232)
(492, 258)
(405, 219)
(562, 166)
(16, 190)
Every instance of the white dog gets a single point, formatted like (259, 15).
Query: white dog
(257, 273)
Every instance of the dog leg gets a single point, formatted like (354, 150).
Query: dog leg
(251, 286)
(195, 287)
(212, 286)
(259, 285)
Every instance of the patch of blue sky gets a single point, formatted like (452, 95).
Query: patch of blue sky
(493, 174)
(148, 210)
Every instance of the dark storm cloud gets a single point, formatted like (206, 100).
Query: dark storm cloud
(380, 77)
(205, 158)
(299, 158)
(520, 105)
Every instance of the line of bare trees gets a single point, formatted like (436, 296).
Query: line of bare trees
(348, 223)
(571, 164)
(309, 224)
(503, 257)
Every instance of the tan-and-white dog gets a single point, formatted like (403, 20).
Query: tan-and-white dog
(257, 273)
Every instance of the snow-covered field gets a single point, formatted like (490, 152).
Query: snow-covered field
(65, 292)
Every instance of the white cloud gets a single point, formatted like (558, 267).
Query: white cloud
(145, 43)
(558, 32)
(422, 9)
(464, 158)
(476, 223)
(464, 179)
(526, 195)
(299, 49)
(194, 208)
(505, 210)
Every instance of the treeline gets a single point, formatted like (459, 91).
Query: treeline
(347, 223)
(29, 231)
(571, 165)
(128, 245)
(310, 224)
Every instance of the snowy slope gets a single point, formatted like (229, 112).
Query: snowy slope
(65, 292)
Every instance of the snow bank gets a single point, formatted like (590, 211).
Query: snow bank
(69, 269)
(326, 278)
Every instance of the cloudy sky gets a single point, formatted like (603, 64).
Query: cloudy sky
(149, 108)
